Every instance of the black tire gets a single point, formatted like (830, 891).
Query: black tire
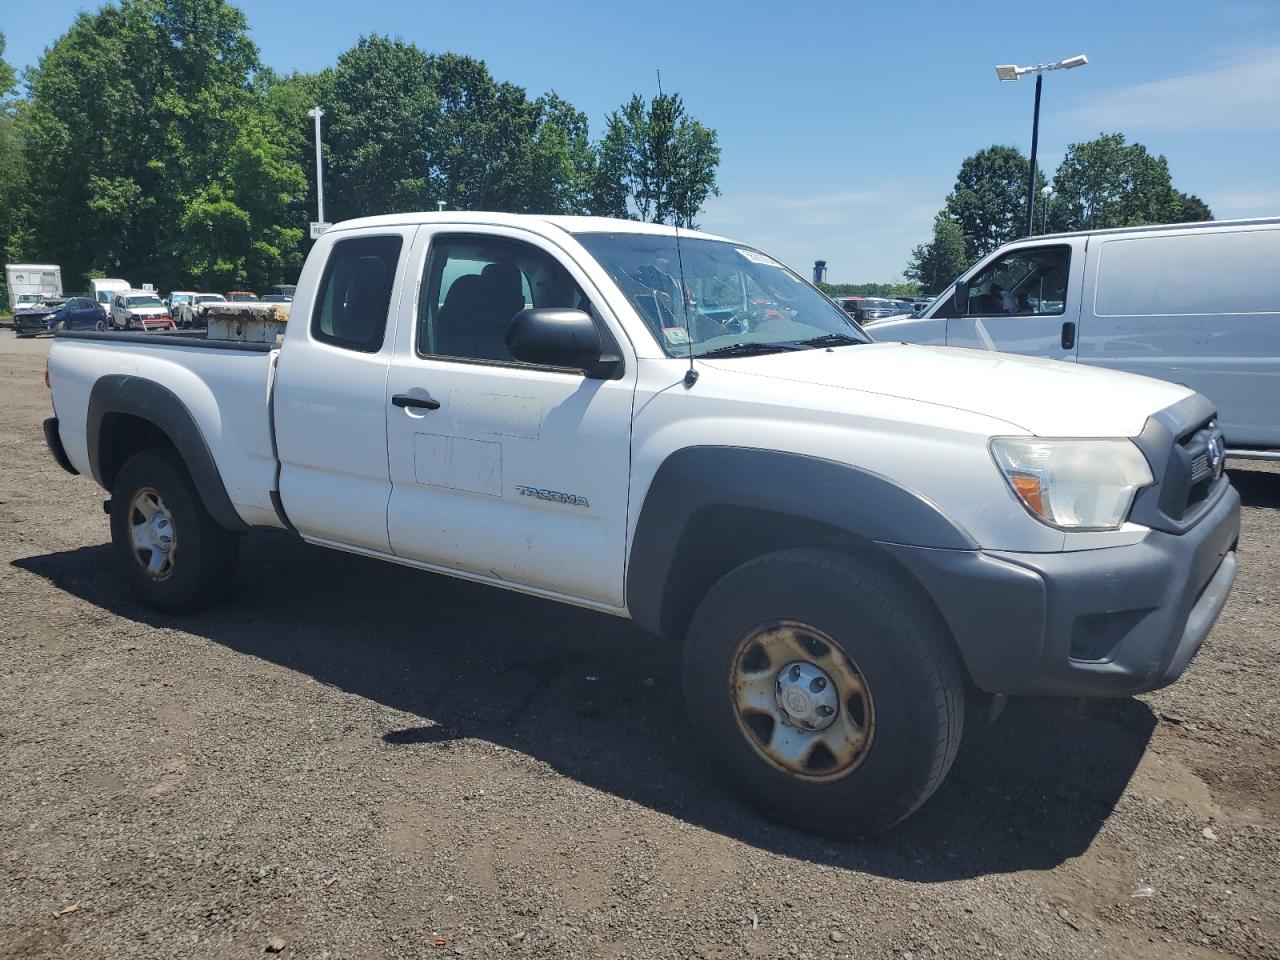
(904, 659)
(100, 326)
(202, 565)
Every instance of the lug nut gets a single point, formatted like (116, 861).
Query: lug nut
(818, 684)
(794, 674)
(824, 710)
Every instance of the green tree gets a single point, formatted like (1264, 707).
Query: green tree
(1192, 209)
(139, 120)
(989, 200)
(13, 174)
(935, 264)
(7, 75)
(656, 162)
(381, 109)
(1109, 182)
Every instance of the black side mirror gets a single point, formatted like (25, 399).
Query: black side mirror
(560, 337)
(960, 298)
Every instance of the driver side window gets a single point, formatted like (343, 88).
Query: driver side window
(1028, 282)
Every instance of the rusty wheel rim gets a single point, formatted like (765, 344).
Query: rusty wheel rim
(800, 701)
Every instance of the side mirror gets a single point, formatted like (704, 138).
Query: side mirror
(560, 337)
(960, 298)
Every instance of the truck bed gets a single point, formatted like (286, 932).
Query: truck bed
(224, 385)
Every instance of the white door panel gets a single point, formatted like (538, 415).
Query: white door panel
(520, 473)
(331, 413)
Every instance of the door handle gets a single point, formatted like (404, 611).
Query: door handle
(418, 403)
(1068, 335)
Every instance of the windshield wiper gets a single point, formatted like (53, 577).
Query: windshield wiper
(831, 340)
(750, 349)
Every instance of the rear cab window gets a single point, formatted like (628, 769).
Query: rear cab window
(354, 295)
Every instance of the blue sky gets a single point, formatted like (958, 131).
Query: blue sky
(843, 125)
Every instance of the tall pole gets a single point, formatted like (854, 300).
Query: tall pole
(318, 113)
(1031, 174)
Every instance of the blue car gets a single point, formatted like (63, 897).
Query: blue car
(78, 313)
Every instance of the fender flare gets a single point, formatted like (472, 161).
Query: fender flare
(160, 406)
(864, 504)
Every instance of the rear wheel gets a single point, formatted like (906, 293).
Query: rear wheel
(830, 699)
(175, 556)
(100, 326)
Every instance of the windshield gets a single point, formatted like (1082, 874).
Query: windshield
(735, 298)
(29, 298)
(144, 302)
(211, 298)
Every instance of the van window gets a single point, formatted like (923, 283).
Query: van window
(1027, 282)
(1208, 273)
(355, 293)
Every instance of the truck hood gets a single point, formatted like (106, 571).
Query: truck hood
(1047, 398)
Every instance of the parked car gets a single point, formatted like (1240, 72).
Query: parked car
(192, 313)
(1197, 304)
(102, 289)
(284, 290)
(876, 308)
(241, 296)
(176, 299)
(31, 319)
(275, 298)
(843, 535)
(139, 310)
(78, 313)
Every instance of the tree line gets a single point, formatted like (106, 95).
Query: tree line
(1101, 183)
(150, 141)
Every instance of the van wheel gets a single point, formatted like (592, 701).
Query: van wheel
(830, 700)
(175, 556)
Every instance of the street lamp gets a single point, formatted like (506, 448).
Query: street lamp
(1046, 195)
(318, 113)
(1011, 72)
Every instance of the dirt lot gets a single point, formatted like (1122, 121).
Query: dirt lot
(366, 761)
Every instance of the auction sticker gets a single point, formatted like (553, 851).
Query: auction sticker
(676, 336)
(755, 256)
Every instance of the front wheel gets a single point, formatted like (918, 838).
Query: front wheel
(100, 326)
(829, 698)
(175, 556)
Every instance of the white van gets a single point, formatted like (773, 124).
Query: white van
(1197, 304)
(101, 289)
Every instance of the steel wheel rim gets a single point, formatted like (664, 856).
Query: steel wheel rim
(152, 534)
(778, 701)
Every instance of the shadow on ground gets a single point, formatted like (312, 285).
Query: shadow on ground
(598, 700)
(1257, 488)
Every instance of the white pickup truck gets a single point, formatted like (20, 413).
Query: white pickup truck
(846, 536)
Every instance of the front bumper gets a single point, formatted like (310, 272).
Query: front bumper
(26, 324)
(1092, 623)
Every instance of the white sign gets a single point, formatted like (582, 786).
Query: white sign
(318, 228)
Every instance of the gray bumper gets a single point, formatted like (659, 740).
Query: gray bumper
(1093, 623)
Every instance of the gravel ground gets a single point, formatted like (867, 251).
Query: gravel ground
(352, 759)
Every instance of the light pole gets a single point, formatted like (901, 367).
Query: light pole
(318, 113)
(1010, 72)
(1046, 195)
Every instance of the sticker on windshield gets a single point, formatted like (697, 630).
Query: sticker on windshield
(756, 256)
(676, 336)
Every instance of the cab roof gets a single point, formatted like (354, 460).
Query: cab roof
(526, 220)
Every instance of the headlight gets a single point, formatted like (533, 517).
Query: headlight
(1073, 484)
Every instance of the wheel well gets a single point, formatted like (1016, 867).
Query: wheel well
(121, 435)
(721, 538)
